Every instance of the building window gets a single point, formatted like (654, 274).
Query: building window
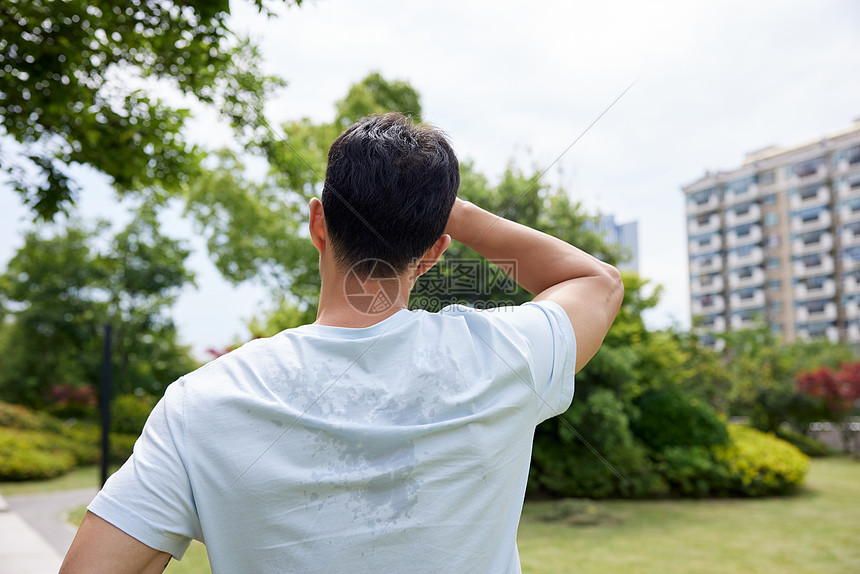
(769, 199)
(816, 282)
(774, 285)
(809, 192)
(771, 219)
(773, 262)
(851, 154)
(772, 241)
(811, 238)
(813, 260)
(808, 167)
(816, 306)
(748, 293)
(766, 177)
(745, 272)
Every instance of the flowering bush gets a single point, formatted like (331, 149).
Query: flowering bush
(759, 464)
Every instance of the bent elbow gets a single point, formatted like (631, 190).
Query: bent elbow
(614, 288)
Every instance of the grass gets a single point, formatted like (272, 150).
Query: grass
(81, 477)
(812, 531)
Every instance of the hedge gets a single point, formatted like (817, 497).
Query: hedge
(28, 455)
(34, 445)
(759, 464)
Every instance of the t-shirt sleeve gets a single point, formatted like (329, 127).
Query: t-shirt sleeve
(150, 497)
(553, 347)
(542, 333)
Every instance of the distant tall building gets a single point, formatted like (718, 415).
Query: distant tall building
(625, 235)
(778, 240)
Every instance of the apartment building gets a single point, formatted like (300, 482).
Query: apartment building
(777, 240)
(625, 235)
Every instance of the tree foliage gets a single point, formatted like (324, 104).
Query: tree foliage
(840, 390)
(79, 82)
(59, 291)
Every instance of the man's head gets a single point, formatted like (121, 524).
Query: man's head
(389, 189)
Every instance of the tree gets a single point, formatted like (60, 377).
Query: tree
(59, 290)
(839, 391)
(77, 88)
(762, 370)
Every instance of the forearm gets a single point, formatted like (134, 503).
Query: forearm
(541, 261)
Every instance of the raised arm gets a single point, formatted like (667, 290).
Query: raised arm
(589, 290)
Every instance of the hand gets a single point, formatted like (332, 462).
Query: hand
(457, 220)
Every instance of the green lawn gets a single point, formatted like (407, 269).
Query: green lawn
(814, 531)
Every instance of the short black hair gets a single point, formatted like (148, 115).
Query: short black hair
(389, 188)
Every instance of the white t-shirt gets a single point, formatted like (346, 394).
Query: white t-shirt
(400, 447)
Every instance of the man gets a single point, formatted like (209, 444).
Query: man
(376, 439)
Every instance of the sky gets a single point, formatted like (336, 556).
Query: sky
(706, 82)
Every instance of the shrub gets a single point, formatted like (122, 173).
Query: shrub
(691, 470)
(808, 445)
(20, 417)
(121, 447)
(70, 401)
(563, 464)
(28, 455)
(34, 445)
(670, 418)
(129, 413)
(759, 464)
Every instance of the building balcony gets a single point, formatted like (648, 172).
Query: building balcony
(824, 266)
(831, 333)
(803, 315)
(738, 303)
(849, 237)
(712, 243)
(806, 178)
(700, 287)
(751, 279)
(754, 257)
(710, 264)
(752, 192)
(849, 187)
(708, 305)
(801, 247)
(849, 213)
(711, 325)
(695, 207)
(800, 201)
(851, 285)
(822, 220)
(804, 293)
(850, 264)
(852, 309)
(708, 225)
(751, 214)
(752, 236)
(740, 323)
(853, 333)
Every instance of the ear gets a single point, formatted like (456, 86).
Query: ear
(432, 255)
(316, 226)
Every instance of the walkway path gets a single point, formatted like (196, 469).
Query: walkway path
(34, 534)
